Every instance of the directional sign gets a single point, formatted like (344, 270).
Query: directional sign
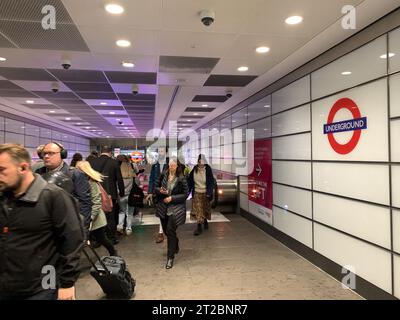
(260, 180)
(258, 170)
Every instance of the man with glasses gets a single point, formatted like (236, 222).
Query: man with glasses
(53, 162)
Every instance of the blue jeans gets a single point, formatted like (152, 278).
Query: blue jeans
(125, 211)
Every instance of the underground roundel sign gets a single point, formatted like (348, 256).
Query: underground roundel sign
(356, 124)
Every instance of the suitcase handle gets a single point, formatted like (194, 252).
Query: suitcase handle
(97, 256)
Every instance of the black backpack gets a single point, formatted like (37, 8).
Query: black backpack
(136, 196)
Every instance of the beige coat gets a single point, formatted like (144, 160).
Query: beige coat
(98, 216)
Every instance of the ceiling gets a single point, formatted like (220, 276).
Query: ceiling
(183, 69)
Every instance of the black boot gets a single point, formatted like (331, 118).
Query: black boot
(199, 230)
(170, 263)
(177, 247)
(205, 224)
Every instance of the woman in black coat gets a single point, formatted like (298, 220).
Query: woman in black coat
(172, 193)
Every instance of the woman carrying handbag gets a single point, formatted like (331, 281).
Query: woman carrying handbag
(172, 193)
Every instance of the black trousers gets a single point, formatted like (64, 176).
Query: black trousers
(169, 227)
(101, 237)
(112, 221)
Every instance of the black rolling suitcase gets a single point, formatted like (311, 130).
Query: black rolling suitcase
(112, 275)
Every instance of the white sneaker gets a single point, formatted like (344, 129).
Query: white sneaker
(120, 229)
(128, 232)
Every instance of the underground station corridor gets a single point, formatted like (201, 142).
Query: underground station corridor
(199, 150)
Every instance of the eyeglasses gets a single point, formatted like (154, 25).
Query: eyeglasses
(49, 153)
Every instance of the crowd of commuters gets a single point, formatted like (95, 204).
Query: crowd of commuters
(67, 208)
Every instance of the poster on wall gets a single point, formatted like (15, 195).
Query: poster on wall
(260, 181)
(352, 125)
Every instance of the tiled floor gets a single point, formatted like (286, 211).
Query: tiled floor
(232, 260)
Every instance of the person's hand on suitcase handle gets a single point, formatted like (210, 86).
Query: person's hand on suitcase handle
(66, 293)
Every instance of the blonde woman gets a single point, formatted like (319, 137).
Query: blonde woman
(128, 174)
(99, 221)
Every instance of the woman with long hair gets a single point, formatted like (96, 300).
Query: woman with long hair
(201, 184)
(75, 158)
(99, 222)
(172, 192)
(125, 210)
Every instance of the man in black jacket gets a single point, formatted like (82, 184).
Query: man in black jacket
(41, 235)
(53, 162)
(113, 184)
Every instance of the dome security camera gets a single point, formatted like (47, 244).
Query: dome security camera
(55, 87)
(229, 94)
(66, 64)
(135, 89)
(207, 17)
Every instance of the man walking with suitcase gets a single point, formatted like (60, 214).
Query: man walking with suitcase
(41, 234)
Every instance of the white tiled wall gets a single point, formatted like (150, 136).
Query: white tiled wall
(394, 82)
(31, 136)
(397, 276)
(395, 138)
(365, 221)
(296, 147)
(396, 185)
(293, 225)
(370, 262)
(349, 193)
(293, 199)
(292, 121)
(292, 173)
(396, 231)
(369, 182)
(292, 95)
(364, 64)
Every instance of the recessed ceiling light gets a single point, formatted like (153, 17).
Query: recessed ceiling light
(118, 119)
(127, 64)
(2, 59)
(78, 124)
(107, 136)
(384, 56)
(267, 106)
(294, 20)
(346, 73)
(243, 69)
(111, 112)
(67, 119)
(262, 49)
(204, 105)
(87, 127)
(189, 120)
(30, 101)
(103, 103)
(123, 43)
(233, 121)
(195, 114)
(125, 128)
(114, 8)
(52, 111)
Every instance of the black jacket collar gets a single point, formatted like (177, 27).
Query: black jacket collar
(33, 192)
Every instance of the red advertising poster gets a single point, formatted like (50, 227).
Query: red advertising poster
(260, 180)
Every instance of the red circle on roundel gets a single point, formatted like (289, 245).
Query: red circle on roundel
(350, 105)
